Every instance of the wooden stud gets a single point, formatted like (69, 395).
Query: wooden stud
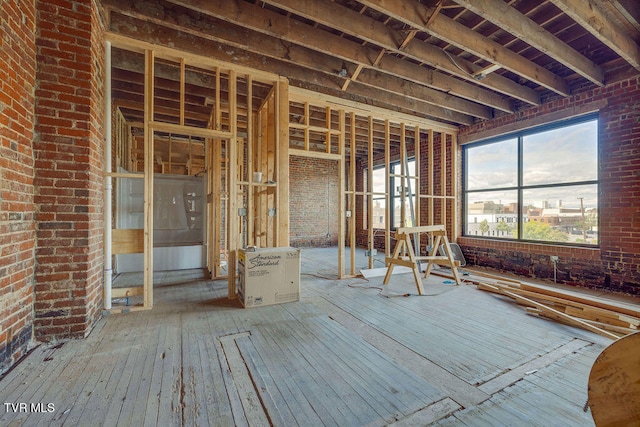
(182, 90)
(387, 198)
(282, 168)
(352, 188)
(148, 177)
(306, 127)
(430, 175)
(416, 178)
(403, 176)
(370, 190)
(443, 178)
(232, 188)
(250, 189)
(455, 227)
(341, 194)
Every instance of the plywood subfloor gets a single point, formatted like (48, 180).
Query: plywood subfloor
(350, 353)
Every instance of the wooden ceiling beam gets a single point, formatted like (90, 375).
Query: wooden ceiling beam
(376, 33)
(306, 78)
(510, 20)
(588, 15)
(337, 50)
(416, 15)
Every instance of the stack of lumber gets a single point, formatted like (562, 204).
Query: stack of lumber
(600, 315)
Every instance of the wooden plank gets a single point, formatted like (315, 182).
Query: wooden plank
(582, 309)
(305, 95)
(403, 175)
(369, 189)
(314, 154)
(429, 414)
(190, 130)
(387, 191)
(417, 187)
(511, 20)
(342, 205)
(232, 188)
(591, 301)
(127, 292)
(420, 229)
(149, 140)
(251, 402)
(595, 21)
(430, 177)
(543, 307)
(282, 164)
(353, 198)
(127, 241)
(251, 146)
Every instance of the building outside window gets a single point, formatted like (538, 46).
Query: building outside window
(536, 185)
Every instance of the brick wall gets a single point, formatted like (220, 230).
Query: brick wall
(17, 85)
(616, 264)
(68, 160)
(313, 202)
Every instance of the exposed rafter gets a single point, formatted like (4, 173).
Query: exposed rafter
(377, 34)
(455, 61)
(509, 19)
(592, 18)
(417, 15)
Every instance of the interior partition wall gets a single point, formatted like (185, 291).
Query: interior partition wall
(189, 138)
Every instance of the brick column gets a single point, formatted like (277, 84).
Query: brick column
(68, 176)
(17, 85)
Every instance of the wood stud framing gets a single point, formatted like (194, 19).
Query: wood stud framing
(357, 137)
(225, 152)
(375, 138)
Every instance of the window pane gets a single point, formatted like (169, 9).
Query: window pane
(492, 165)
(379, 212)
(493, 214)
(562, 214)
(568, 154)
(378, 180)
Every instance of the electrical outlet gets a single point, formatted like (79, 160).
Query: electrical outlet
(554, 258)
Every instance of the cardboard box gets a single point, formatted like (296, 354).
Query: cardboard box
(268, 276)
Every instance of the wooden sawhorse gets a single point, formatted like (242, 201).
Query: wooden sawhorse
(403, 238)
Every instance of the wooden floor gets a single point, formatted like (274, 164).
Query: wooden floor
(348, 354)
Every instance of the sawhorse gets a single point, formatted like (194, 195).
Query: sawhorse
(403, 245)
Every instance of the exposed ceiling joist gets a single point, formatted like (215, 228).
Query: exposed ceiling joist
(509, 19)
(417, 15)
(377, 34)
(300, 34)
(593, 19)
(456, 62)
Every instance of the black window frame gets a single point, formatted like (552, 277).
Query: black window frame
(520, 187)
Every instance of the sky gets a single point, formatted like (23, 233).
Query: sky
(556, 156)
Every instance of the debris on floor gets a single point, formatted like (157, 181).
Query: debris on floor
(600, 315)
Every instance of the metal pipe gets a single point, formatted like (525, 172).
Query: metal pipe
(108, 193)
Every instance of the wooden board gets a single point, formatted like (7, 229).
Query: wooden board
(127, 241)
(614, 384)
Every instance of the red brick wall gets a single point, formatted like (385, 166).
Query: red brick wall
(17, 85)
(313, 202)
(616, 264)
(69, 177)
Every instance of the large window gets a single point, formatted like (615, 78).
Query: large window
(396, 171)
(537, 185)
